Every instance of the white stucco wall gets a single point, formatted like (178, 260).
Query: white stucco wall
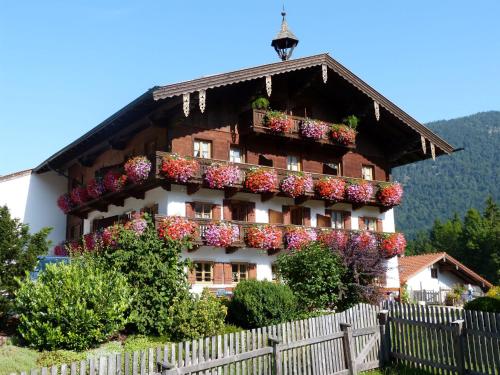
(445, 281)
(32, 199)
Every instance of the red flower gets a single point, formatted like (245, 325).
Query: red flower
(95, 188)
(261, 180)
(79, 195)
(331, 188)
(343, 134)
(64, 203)
(393, 244)
(178, 168)
(264, 237)
(390, 194)
(278, 122)
(177, 228)
(114, 181)
(334, 239)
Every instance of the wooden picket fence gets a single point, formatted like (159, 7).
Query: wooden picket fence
(342, 343)
(444, 340)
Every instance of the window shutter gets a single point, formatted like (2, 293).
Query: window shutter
(190, 210)
(226, 210)
(218, 273)
(286, 215)
(323, 221)
(191, 275)
(347, 220)
(216, 212)
(251, 212)
(379, 225)
(228, 273)
(306, 219)
(275, 217)
(252, 271)
(361, 223)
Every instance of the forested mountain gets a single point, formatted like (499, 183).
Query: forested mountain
(455, 183)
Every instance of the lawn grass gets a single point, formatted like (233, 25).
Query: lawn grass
(396, 370)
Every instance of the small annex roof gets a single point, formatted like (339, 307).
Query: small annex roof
(409, 266)
(14, 175)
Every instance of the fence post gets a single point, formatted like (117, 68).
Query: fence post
(350, 355)
(458, 345)
(165, 368)
(385, 337)
(275, 343)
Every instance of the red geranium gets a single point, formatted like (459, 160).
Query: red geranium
(177, 228)
(264, 237)
(79, 195)
(278, 122)
(296, 185)
(392, 244)
(114, 181)
(390, 194)
(331, 188)
(359, 192)
(95, 188)
(261, 180)
(178, 168)
(64, 203)
(60, 250)
(334, 239)
(343, 134)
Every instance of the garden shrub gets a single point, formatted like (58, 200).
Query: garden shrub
(488, 304)
(261, 303)
(197, 316)
(314, 274)
(494, 292)
(72, 306)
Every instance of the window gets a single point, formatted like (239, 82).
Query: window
(297, 216)
(150, 147)
(337, 220)
(239, 272)
(293, 163)
(202, 149)
(236, 155)
(240, 211)
(332, 168)
(203, 210)
(75, 232)
(265, 161)
(367, 172)
(203, 271)
(370, 224)
(274, 272)
(434, 273)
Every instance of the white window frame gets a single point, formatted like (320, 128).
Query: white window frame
(239, 274)
(368, 172)
(202, 149)
(236, 154)
(337, 219)
(203, 210)
(370, 224)
(293, 163)
(204, 272)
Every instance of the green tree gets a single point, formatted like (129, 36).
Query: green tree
(18, 254)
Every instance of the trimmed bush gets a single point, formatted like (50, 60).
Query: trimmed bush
(72, 306)
(261, 303)
(196, 317)
(488, 304)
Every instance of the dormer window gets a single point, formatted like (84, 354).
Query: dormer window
(293, 163)
(202, 149)
(367, 172)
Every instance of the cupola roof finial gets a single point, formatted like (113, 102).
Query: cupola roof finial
(285, 41)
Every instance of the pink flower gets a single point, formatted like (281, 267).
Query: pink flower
(334, 239)
(95, 188)
(114, 181)
(359, 192)
(64, 203)
(221, 234)
(313, 129)
(137, 224)
(278, 122)
(218, 176)
(60, 250)
(390, 194)
(296, 238)
(343, 134)
(296, 185)
(79, 195)
(137, 169)
(110, 236)
(264, 237)
(364, 240)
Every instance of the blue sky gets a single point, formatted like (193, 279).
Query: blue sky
(67, 65)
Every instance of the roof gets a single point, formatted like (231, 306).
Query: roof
(14, 175)
(146, 100)
(411, 265)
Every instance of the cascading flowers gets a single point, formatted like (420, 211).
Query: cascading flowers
(266, 237)
(390, 194)
(114, 181)
(65, 203)
(261, 180)
(343, 134)
(177, 228)
(313, 129)
(278, 122)
(392, 244)
(79, 195)
(359, 191)
(334, 239)
(137, 169)
(330, 188)
(221, 234)
(296, 185)
(178, 168)
(91, 241)
(137, 224)
(364, 240)
(218, 176)
(95, 188)
(296, 238)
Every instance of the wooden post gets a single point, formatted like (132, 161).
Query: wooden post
(165, 367)
(350, 355)
(385, 337)
(458, 345)
(275, 343)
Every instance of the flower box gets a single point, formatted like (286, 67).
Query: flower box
(296, 185)
(65, 203)
(179, 169)
(334, 239)
(390, 194)
(330, 188)
(266, 237)
(79, 195)
(137, 224)
(114, 181)
(364, 241)
(177, 228)
(221, 234)
(278, 122)
(359, 192)
(392, 244)
(218, 176)
(95, 188)
(296, 238)
(261, 180)
(343, 134)
(137, 169)
(313, 129)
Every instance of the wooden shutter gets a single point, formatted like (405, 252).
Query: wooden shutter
(190, 210)
(226, 210)
(323, 221)
(228, 273)
(216, 212)
(192, 275)
(275, 217)
(251, 212)
(379, 226)
(361, 223)
(218, 273)
(347, 220)
(286, 215)
(252, 271)
(306, 216)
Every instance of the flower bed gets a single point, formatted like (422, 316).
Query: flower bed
(266, 237)
(296, 185)
(65, 203)
(110, 235)
(278, 122)
(313, 129)
(60, 250)
(364, 241)
(390, 194)
(343, 134)
(91, 242)
(95, 188)
(137, 169)
(392, 244)
(334, 239)
(261, 180)
(218, 176)
(177, 228)
(114, 181)
(330, 188)
(137, 224)
(79, 195)
(296, 238)
(179, 169)
(359, 192)
(221, 234)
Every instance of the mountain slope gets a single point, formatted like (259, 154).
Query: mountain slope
(455, 183)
